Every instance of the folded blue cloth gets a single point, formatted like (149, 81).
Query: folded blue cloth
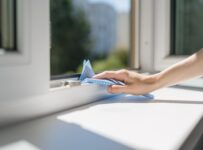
(88, 73)
(106, 82)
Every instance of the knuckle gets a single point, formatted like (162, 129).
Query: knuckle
(109, 73)
(125, 72)
(106, 73)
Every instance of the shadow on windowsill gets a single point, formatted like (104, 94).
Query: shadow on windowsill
(184, 87)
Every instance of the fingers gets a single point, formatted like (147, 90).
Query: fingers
(105, 74)
(117, 89)
(121, 75)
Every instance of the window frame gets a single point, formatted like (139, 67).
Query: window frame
(133, 54)
(155, 37)
(26, 74)
(24, 90)
(17, 68)
(134, 35)
(7, 24)
(21, 54)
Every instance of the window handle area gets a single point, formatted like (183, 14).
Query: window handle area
(65, 83)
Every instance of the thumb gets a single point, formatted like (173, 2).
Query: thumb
(117, 89)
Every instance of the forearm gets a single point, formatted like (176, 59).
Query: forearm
(189, 68)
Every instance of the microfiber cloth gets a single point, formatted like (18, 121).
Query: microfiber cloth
(88, 73)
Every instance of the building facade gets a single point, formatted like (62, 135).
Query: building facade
(109, 27)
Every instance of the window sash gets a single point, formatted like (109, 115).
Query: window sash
(155, 36)
(7, 27)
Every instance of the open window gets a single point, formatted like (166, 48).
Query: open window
(25, 71)
(170, 31)
(98, 30)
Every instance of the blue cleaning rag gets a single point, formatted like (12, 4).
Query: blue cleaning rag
(88, 73)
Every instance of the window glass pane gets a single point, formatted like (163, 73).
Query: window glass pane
(7, 25)
(89, 29)
(187, 26)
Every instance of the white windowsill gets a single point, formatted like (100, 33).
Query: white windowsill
(195, 83)
(164, 123)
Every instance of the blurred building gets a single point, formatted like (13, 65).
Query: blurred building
(81, 4)
(109, 28)
(123, 31)
(102, 19)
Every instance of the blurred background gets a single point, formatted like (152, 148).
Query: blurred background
(98, 30)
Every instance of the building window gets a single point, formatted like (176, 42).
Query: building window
(187, 23)
(98, 30)
(7, 25)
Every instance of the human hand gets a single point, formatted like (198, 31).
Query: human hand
(135, 83)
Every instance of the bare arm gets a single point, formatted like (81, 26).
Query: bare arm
(192, 67)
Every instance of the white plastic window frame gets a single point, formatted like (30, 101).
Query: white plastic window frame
(154, 39)
(21, 54)
(25, 75)
(154, 35)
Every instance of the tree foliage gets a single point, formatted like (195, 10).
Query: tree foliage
(70, 37)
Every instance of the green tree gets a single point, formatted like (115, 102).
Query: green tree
(70, 37)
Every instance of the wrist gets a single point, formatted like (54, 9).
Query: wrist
(154, 81)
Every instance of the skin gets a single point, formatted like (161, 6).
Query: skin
(136, 83)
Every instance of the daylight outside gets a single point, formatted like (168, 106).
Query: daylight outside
(98, 30)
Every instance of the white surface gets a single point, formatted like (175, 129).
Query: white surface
(146, 35)
(26, 72)
(57, 99)
(162, 36)
(162, 124)
(154, 35)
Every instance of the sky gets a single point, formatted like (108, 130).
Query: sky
(119, 5)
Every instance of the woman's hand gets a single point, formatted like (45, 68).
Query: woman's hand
(134, 83)
(191, 67)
